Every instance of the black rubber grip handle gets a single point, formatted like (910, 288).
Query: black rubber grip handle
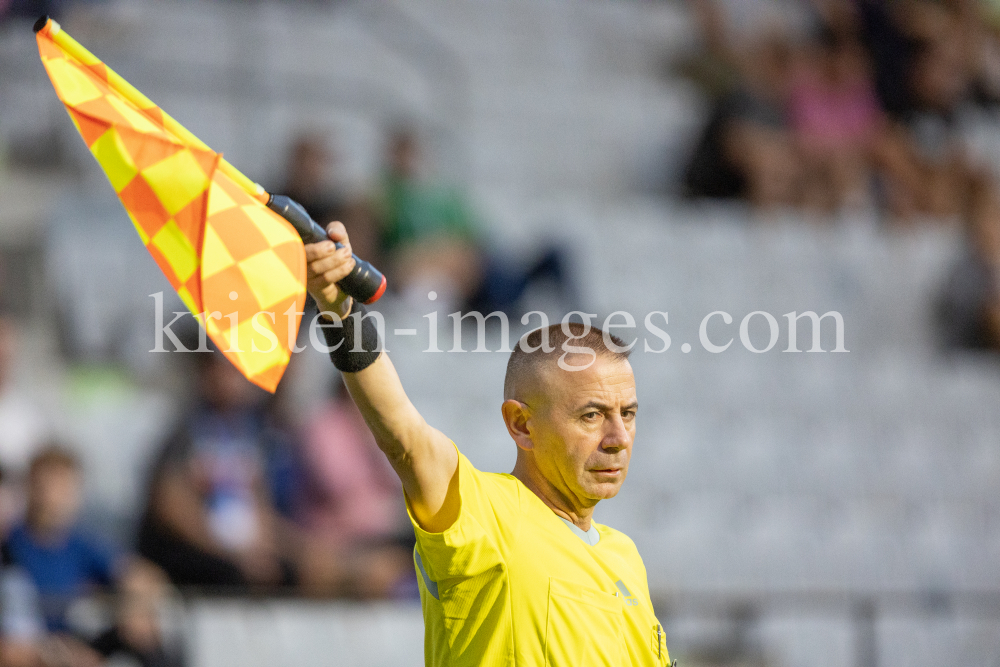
(365, 283)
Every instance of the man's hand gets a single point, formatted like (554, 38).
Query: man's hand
(325, 266)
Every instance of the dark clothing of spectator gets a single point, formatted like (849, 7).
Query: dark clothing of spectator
(62, 570)
(892, 53)
(710, 172)
(973, 286)
(503, 285)
(227, 455)
(110, 644)
(186, 564)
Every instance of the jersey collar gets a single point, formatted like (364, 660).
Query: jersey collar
(591, 537)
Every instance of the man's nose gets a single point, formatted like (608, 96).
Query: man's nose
(616, 436)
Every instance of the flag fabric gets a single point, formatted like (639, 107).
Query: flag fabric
(238, 266)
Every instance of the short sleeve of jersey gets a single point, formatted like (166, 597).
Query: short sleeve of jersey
(476, 543)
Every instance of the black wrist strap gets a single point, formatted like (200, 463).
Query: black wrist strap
(355, 350)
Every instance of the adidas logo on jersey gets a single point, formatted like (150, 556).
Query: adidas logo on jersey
(630, 600)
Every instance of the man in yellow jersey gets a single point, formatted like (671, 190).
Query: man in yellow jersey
(512, 569)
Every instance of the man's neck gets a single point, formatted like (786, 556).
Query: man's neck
(555, 500)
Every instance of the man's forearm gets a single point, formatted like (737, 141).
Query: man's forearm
(372, 380)
(399, 429)
(424, 458)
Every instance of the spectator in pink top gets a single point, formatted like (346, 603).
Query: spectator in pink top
(350, 506)
(835, 119)
(351, 493)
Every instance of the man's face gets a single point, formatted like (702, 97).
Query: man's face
(582, 427)
(54, 497)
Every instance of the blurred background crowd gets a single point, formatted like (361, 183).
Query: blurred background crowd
(858, 106)
(597, 155)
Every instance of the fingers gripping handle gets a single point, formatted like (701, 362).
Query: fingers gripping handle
(365, 283)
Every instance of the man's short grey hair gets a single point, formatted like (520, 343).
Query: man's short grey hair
(530, 353)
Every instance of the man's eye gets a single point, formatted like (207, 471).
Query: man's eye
(628, 414)
(590, 416)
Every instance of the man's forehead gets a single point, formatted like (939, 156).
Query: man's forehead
(606, 378)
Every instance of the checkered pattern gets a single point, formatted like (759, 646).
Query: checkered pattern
(224, 252)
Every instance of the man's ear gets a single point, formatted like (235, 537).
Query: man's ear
(515, 416)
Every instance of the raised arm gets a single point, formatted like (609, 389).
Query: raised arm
(423, 457)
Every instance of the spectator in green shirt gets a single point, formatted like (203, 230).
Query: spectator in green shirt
(429, 237)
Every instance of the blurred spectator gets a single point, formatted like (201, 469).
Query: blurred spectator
(938, 81)
(64, 562)
(746, 149)
(430, 238)
(50, 564)
(210, 520)
(307, 178)
(969, 313)
(835, 118)
(862, 109)
(311, 180)
(137, 632)
(22, 429)
(350, 504)
(22, 627)
(931, 61)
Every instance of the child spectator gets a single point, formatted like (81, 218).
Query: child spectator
(63, 561)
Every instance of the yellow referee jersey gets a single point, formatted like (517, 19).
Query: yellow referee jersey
(510, 583)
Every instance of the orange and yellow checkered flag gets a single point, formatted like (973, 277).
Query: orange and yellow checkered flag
(237, 265)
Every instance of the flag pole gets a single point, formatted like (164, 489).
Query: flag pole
(54, 31)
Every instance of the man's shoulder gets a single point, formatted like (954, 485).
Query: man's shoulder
(501, 481)
(501, 491)
(498, 481)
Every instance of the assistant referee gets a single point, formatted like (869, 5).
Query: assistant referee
(511, 568)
